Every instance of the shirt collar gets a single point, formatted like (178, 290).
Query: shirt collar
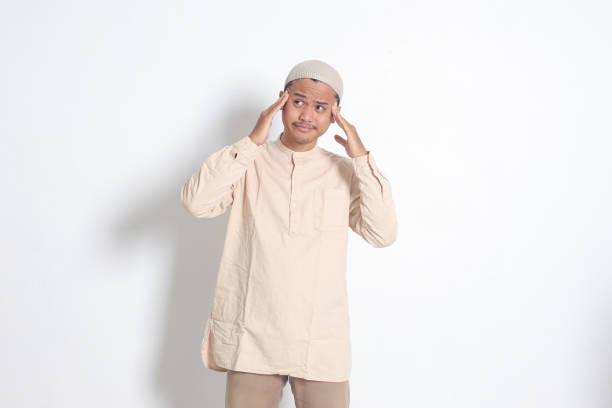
(313, 153)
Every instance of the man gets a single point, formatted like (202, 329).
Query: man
(280, 309)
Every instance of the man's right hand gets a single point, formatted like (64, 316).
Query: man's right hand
(260, 133)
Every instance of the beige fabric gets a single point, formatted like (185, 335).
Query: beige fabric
(317, 69)
(280, 303)
(250, 390)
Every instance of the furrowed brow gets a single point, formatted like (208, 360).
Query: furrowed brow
(304, 96)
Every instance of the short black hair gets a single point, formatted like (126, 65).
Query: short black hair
(316, 80)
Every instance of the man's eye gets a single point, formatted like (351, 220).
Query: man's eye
(321, 106)
(298, 102)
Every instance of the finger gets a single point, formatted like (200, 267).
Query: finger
(337, 116)
(284, 98)
(272, 109)
(340, 118)
(340, 140)
(281, 101)
(340, 121)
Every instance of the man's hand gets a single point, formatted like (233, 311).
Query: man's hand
(260, 133)
(352, 144)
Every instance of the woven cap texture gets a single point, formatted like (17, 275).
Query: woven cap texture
(318, 70)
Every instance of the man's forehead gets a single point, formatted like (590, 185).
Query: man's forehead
(318, 91)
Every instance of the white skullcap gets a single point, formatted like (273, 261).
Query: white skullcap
(318, 70)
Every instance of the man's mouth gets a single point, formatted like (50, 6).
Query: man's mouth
(303, 128)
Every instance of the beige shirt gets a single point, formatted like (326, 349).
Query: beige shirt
(280, 303)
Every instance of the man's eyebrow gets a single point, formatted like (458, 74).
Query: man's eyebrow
(304, 96)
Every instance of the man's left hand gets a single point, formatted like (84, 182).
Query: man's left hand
(352, 144)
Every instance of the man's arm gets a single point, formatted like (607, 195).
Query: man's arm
(210, 190)
(372, 212)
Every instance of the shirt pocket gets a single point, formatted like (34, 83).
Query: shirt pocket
(334, 214)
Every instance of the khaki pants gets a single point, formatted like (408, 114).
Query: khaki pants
(250, 390)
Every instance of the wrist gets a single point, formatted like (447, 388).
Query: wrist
(361, 152)
(255, 140)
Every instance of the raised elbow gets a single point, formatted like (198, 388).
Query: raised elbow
(381, 238)
(187, 201)
(191, 209)
(189, 204)
(384, 241)
(205, 209)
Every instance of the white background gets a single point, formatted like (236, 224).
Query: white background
(491, 119)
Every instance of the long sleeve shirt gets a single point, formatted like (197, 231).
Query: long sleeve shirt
(280, 303)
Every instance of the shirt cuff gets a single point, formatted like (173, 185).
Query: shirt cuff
(246, 149)
(361, 161)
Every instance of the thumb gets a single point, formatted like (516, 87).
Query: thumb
(340, 140)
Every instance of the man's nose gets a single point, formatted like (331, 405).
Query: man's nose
(306, 114)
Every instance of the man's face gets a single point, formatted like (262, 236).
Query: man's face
(307, 113)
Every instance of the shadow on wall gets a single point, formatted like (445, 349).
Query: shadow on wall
(179, 376)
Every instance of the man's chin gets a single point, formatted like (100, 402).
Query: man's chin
(302, 138)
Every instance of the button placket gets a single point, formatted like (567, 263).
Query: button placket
(293, 215)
